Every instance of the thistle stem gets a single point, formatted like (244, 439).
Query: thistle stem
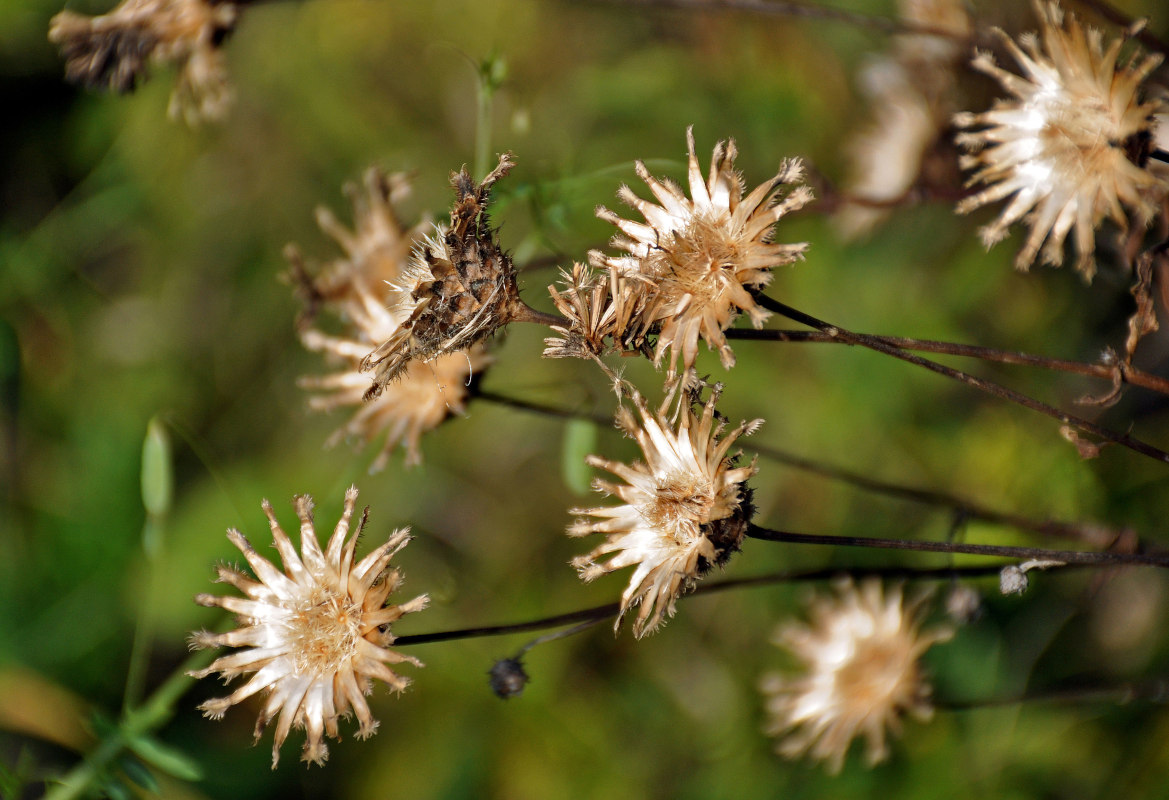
(1154, 690)
(990, 387)
(1135, 377)
(1064, 556)
(1090, 532)
(609, 610)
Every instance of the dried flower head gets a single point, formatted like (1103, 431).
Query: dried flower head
(316, 634)
(861, 656)
(685, 508)
(377, 250)
(910, 92)
(459, 289)
(700, 254)
(603, 312)
(114, 51)
(1070, 148)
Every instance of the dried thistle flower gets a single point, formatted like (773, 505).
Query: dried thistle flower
(376, 250)
(316, 634)
(114, 51)
(685, 508)
(910, 92)
(597, 308)
(861, 654)
(700, 254)
(459, 289)
(1070, 148)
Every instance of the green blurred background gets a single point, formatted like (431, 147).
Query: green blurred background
(139, 264)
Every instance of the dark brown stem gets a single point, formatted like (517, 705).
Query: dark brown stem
(609, 610)
(1063, 556)
(784, 8)
(1135, 377)
(990, 387)
(1089, 532)
(522, 312)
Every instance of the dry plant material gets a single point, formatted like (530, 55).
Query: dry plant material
(115, 51)
(1070, 148)
(316, 635)
(685, 508)
(861, 674)
(695, 259)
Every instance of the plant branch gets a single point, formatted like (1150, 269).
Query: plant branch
(1154, 690)
(597, 613)
(990, 387)
(1135, 377)
(1092, 533)
(998, 551)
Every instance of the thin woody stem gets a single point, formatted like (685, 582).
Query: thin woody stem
(784, 8)
(1093, 533)
(998, 551)
(1155, 690)
(1135, 377)
(990, 387)
(610, 610)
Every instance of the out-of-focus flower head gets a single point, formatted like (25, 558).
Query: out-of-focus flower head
(316, 635)
(697, 256)
(458, 290)
(861, 674)
(114, 51)
(684, 509)
(1071, 145)
(910, 92)
(360, 288)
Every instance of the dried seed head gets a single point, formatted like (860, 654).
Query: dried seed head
(317, 634)
(460, 287)
(604, 312)
(699, 255)
(861, 654)
(508, 678)
(114, 51)
(1070, 147)
(686, 508)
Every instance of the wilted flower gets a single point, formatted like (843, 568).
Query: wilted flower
(377, 250)
(861, 656)
(317, 633)
(597, 307)
(113, 51)
(1070, 148)
(699, 255)
(686, 508)
(459, 289)
(910, 92)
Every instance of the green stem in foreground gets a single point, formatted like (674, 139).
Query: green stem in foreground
(151, 715)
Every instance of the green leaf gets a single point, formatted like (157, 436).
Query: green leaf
(137, 772)
(166, 758)
(580, 439)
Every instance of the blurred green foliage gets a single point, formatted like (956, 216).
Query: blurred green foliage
(139, 265)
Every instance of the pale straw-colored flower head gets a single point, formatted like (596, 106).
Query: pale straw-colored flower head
(860, 655)
(604, 312)
(910, 93)
(684, 509)
(316, 635)
(1069, 148)
(115, 50)
(701, 254)
(458, 290)
(376, 250)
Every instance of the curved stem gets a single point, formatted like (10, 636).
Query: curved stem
(1064, 556)
(990, 387)
(1104, 371)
